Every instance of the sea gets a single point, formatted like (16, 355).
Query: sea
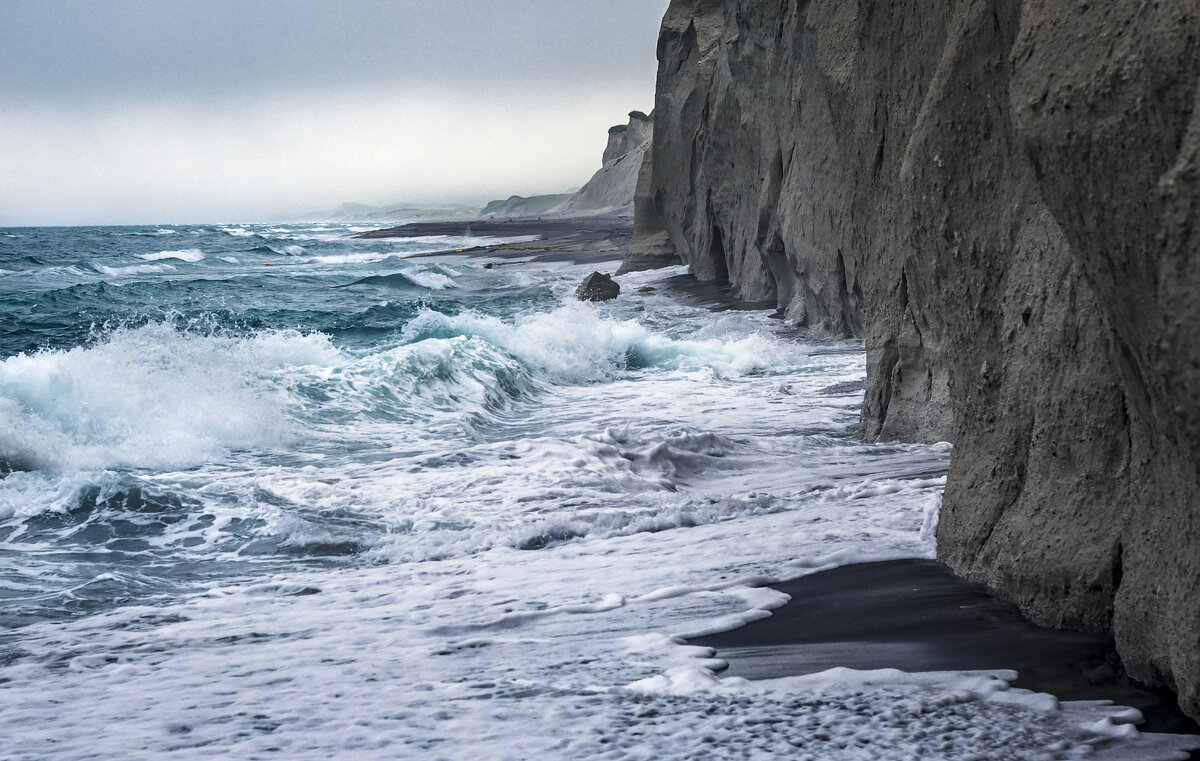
(270, 491)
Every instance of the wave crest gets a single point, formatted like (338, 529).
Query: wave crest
(185, 255)
(577, 344)
(149, 397)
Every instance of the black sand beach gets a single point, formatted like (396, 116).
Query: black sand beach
(915, 615)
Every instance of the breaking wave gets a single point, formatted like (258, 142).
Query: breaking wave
(158, 396)
(149, 397)
(575, 344)
(186, 255)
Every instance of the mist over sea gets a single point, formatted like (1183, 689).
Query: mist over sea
(268, 491)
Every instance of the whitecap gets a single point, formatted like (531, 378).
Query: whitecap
(576, 343)
(432, 280)
(150, 397)
(137, 269)
(369, 257)
(185, 255)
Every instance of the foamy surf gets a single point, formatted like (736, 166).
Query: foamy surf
(148, 397)
(341, 502)
(185, 255)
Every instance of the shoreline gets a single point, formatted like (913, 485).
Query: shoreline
(912, 615)
(576, 240)
(573, 240)
(916, 615)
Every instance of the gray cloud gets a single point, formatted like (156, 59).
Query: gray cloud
(148, 111)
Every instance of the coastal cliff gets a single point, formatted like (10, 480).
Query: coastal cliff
(1003, 200)
(611, 189)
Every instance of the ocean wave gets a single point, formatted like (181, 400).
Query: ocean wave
(77, 498)
(161, 396)
(186, 255)
(277, 250)
(525, 494)
(417, 381)
(430, 280)
(430, 243)
(576, 344)
(136, 269)
(369, 257)
(149, 397)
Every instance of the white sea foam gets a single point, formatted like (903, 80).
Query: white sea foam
(368, 257)
(557, 654)
(433, 280)
(148, 397)
(541, 507)
(136, 269)
(576, 343)
(186, 255)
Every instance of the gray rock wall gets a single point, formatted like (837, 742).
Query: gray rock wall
(1002, 198)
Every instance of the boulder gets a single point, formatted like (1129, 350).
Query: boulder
(597, 287)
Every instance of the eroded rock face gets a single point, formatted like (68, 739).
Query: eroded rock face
(1002, 198)
(624, 138)
(651, 246)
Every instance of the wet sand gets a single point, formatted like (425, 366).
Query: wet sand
(915, 615)
(577, 240)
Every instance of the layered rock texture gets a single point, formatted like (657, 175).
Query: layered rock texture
(1003, 199)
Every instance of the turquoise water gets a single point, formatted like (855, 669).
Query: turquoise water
(126, 352)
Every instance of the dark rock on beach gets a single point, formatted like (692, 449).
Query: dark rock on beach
(1003, 199)
(597, 287)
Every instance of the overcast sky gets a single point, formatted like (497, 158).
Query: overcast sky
(146, 111)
